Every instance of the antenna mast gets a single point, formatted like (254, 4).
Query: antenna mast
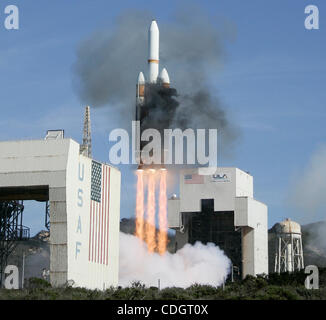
(86, 147)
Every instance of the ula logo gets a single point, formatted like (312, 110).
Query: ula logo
(11, 21)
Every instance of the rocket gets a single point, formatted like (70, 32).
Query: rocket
(153, 78)
(154, 58)
(153, 66)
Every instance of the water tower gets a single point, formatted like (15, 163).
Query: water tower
(288, 249)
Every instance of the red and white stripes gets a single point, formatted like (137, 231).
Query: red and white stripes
(100, 221)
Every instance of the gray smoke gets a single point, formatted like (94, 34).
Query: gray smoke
(308, 194)
(35, 263)
(160, 108)
(109, 61)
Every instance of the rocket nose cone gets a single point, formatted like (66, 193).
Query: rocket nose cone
(165, 76)
(141, 78)
(153, 26)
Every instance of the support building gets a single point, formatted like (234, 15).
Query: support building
(220, 208)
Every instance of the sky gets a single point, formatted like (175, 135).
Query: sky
(272, 83)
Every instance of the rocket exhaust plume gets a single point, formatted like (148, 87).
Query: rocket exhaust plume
(140, 205)
(150, 223)
(146, 230)
(163, 225)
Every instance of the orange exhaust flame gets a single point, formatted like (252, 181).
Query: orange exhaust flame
(163, 225)
(150, 225)
(140, 205)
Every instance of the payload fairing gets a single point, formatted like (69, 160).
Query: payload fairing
(154, 58)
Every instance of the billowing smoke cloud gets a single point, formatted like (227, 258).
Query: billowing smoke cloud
(109, 61)
(202, 264)
(309, 190)
(160, 108)
(35, 263)
(308, 193)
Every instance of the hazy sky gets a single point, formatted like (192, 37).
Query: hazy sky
(272, 82)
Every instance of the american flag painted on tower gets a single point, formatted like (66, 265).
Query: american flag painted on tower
(193, 178)
(99, 214)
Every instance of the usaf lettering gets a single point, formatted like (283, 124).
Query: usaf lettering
(80, 203)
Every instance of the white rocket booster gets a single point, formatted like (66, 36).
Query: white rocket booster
(153, 52)
(140, 94)
(164, 78)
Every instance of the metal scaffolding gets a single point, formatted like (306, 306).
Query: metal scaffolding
(289, 253)
(47, 215)
(11, 230)
(86, 147)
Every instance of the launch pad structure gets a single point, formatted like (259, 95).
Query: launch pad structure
(220, 208)
(83, 201)
(11, 230)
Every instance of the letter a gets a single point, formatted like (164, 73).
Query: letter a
(312, 21)
(11, 281)
(12, 21)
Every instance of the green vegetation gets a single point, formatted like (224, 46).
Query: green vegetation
(274, 287)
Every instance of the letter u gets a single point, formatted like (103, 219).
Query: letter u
(81, 177)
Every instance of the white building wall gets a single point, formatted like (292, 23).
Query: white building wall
(34, 158)
(221, 190)
(55, 163)
(227, 184)
(251, 215)
(232, 190)
(86, 273)
(248, 252)
(174, 216)
(244, 184)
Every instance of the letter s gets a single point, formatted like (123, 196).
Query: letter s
(80, 198)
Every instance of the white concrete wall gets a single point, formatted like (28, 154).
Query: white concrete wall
(173, 211)
(86, 273)
(251, 215)
(221, 190)
(248, 252)
(55, 163)
(244, 184)
(232, 190)
(41, 162)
